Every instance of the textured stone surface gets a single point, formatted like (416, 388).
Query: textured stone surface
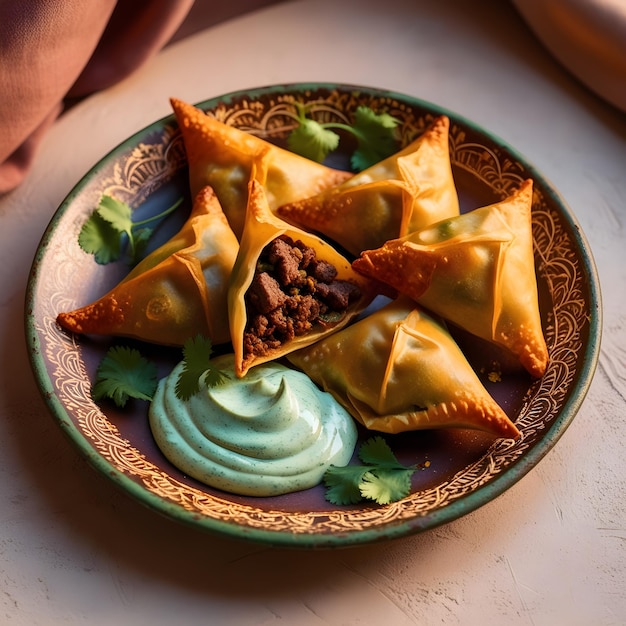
(551, 550)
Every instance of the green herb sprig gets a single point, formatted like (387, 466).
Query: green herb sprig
(197, 370)
(110, 232)
(381, 478)
(122, 374)
(375, 134)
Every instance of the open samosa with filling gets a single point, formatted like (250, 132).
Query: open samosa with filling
(476, 270)
(223, 157)
(177, 291)
(399, 370)
(404, 192)
(289, 288)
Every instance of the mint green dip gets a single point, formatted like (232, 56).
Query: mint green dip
(268, 433)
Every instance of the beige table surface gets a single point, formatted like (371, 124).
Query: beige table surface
(74, 549)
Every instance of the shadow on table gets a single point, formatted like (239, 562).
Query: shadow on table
(92, 515)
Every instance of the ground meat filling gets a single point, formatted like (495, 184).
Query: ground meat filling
(292, 290)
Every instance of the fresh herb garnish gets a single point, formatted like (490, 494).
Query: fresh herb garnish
(374, 132)
(110, 231)
(197, 353)
(122, 374)
(381, 478)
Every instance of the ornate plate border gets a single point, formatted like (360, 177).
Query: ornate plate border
(148, 160)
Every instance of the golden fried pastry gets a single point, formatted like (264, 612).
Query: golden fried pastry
(402, 193)
(177, 291)
(476, 270)
(289, 288)
(399, 370)
(223, 157)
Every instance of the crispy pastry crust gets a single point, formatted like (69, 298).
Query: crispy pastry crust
(476, 270)
(399, 370)
(406, 191)
(262, 227)
(176, 292)
(223, 157)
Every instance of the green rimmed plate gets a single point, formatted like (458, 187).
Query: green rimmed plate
(465, 469)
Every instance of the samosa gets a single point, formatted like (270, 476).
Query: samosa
(402, 193)
(399, 369)
(177, 291)
(289, 288)
(477, 271)
(224, 156)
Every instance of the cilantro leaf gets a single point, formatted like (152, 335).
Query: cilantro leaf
(381, 477)
(214, 377)
(376, 451)
(142, 239)
(111, 225)
(99, 237)
(376, 137)
(197, 369)
(311, 140)
(375, 134)
(386, 485)
(117, 213)
(196, 354)
(343, 483)
(122, 374)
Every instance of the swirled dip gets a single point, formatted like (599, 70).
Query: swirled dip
(269, 433)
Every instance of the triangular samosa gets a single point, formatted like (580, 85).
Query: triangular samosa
(402, 193)
(177, 291)
(223, 157)
(289, 288)
(399, 370)
(476, 270)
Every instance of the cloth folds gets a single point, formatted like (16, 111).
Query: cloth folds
(52, 52)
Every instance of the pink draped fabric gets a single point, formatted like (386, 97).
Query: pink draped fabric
(55, 51)
(51, 51)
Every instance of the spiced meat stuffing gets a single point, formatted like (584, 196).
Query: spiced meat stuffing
(292, 290)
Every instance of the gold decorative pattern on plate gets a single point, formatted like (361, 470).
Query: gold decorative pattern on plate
(135, 173)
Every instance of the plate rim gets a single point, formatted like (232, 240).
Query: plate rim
(459, 508)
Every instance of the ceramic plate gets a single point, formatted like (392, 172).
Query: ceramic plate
(464, 470)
